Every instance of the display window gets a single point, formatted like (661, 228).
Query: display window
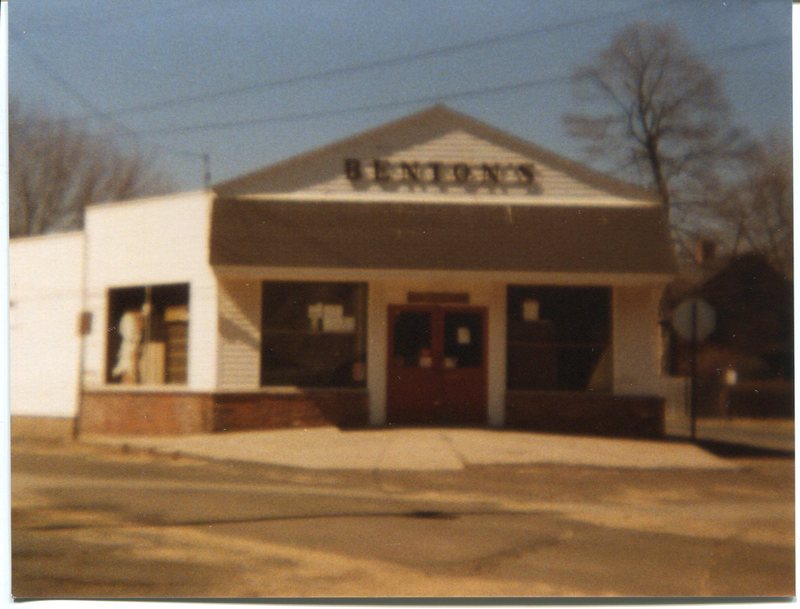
(148, 335)
(313, 334)
(559, 338)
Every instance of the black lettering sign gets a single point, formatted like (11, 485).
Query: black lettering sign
(525, 173)
(491, 173)
(352, 169)
(436, 168)
(437, 172)
(410, 171)
(461, 172)
(382, 170)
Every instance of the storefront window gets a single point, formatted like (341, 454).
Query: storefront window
(313, 334)
(559, 338)
(148, 335)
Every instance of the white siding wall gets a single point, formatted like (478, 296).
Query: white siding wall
(45, 294)
(239, 334)
(153, 241)
(637, 340)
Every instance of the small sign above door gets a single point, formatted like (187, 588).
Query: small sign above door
(438, 297)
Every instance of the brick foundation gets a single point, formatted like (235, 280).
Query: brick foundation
(586, 413)
(312, 408)
(176, 413)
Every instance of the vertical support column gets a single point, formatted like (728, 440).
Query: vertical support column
(636, 340)
(497, 356)
(203, 334)
(377, 337)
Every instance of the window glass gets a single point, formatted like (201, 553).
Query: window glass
(558, 338)
(313, 334)
(463, 340)
(148, 335)
(412, 340)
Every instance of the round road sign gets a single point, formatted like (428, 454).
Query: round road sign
(690, 309)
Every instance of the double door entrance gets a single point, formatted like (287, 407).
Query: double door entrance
(437, 365)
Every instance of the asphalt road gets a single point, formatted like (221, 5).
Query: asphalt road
(95, 522)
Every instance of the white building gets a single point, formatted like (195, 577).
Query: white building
(431, 271)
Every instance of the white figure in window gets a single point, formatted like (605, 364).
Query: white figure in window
(130, 329)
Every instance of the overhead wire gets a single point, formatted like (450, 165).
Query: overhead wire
(95, 111)
(111, 116)
(383, 63)
(480, 91)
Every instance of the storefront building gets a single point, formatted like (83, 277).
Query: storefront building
(433, 271)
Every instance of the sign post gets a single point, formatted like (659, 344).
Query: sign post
(693, 398)
(694, 320)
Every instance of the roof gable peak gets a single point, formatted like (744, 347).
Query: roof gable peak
(412, 131)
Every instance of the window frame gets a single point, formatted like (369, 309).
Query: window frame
(303, 335)
(151, 335)
(561, 355)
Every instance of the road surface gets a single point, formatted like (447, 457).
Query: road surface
(96, 522)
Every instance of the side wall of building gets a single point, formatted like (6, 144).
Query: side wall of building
(150, 242)
(45, 301)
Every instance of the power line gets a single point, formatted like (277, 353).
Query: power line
(88, 105)
(291, 117)
(382, 63)
(297, 116)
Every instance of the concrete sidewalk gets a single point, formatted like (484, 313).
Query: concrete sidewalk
(766, 434)
(422, 449)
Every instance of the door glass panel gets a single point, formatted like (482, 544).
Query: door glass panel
(463, 340)
(412, 340)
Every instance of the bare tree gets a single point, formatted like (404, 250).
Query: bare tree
(656, 115)
(756, 211)
(57, 168)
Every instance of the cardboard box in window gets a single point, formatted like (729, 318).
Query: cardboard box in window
(151, 364)
(176, 313)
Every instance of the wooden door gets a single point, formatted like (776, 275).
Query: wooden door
(436, 365)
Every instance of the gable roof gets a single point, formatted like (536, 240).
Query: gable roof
(410, 130)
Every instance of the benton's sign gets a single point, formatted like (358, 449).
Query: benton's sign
(434, 172)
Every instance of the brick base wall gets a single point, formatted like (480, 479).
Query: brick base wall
(162, 413)
(344, 408)
(146, 413)
(586, 413)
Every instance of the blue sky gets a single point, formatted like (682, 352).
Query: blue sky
(95, 61)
